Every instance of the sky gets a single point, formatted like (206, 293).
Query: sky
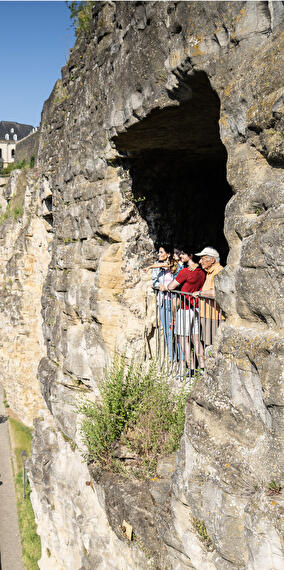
(35, 40)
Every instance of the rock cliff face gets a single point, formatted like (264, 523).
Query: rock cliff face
(169, 114)
(24, 257)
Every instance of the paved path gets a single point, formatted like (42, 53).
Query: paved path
(10, 545)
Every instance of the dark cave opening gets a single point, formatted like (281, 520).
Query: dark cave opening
(48, 215)
(177, 168)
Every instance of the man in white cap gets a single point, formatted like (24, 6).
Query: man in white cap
(209, 310)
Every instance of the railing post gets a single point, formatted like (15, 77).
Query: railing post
(182, 342)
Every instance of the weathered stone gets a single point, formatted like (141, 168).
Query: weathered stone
(167, 110)
(24, 260)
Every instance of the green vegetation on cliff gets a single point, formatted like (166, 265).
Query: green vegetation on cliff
(81, 16)
(31, 548)
(140, 412)
(18, 166)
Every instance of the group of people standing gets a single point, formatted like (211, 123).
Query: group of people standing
(189, 316)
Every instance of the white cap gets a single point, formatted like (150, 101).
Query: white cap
(209, 251)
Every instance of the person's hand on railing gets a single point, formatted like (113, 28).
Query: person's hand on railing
(209, 294)
(162, 287)
(195, 294)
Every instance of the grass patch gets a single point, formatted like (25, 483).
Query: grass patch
(31, 547)
(274, 488)
(15, 213)
(139, 411)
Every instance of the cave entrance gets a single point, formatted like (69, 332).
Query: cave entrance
(177, 167)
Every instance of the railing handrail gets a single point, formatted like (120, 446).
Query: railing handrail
(194, 295)
(186, 323)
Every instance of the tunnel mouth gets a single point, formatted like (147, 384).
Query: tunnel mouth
(175, 164)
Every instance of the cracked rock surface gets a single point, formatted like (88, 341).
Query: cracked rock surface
(167, 103)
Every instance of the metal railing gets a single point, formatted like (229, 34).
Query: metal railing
(185, 325)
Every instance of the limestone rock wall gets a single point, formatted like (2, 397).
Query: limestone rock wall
(24, 258)
(143, 59)
(27, 148)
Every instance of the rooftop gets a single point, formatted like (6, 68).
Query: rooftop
(12, 128)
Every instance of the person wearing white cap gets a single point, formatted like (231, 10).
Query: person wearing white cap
(209, 310)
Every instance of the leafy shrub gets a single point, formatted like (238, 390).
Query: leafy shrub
(13, 166)
(81, 17)
(138, 409)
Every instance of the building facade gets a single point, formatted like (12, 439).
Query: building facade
(10, 134)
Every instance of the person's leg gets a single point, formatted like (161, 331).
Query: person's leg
(187, 351)
(182, 328)
(174, 309)
(196, 339)
(180, 332)
(163, 322)
(206, 331)
(166, 320)
(199, 350)
(176, 347)
(169, 328)
(182, 346)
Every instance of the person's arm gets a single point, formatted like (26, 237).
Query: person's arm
(209, 293)
(156, 266)
(171, 286)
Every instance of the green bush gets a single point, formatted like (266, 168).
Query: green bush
(138, 408)
(13, 166)
(81, 17)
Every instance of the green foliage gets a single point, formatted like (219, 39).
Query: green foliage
(31, 549)
(140, 410)
(274, 488)
(16, 213)
(81, 17)
(32, 161)
(201, 529)
(139, 199)
(13, 166)
(5, 401)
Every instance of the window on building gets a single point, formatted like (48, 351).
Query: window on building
(13, 153)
